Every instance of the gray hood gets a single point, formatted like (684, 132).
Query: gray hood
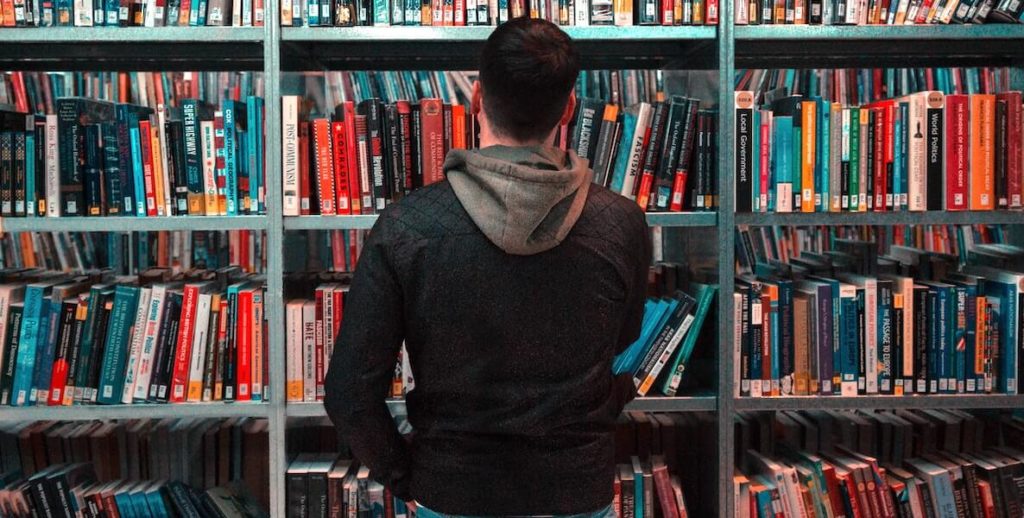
(524, 199)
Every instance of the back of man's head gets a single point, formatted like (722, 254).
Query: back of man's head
(528, 68)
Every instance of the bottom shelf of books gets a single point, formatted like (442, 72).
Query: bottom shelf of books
(170, 467)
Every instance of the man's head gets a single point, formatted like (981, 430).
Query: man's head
(528, 69)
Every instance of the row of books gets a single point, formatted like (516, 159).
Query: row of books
(662, 155)
(878, 12)
(622, 87)
(311, 329)
(459, 13)
(96, 158)
(906, 463)
(202, 453)
(156, 338)
(925, 151)
(860, 86)
(131, 13)
(671, 326)
(37, 92)
(326, 251)
(126, 253)
(777, 244)
(851, 322)
(322, 484)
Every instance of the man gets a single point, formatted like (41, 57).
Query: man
(513, 284)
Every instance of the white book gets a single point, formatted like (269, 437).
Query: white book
(294, 350)
(200, 337)
(643, 121)
(149, 10)
(309, 351)
(287, 20)
(9, 294)
(756, 319)
(161, 118)
(209, 168)
(135, 347)
(737, 345)
(52, 163)
(290, 154)
(742, 10)
(83, 13)
(582, 17)
(328, 322)
(917, 146)
(154, 314)
(408, 382)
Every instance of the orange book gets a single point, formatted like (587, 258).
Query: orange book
(324, 166)
(158, 173)
(458, 126)
(808, 134)
(982, 151)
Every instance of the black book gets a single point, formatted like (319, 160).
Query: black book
(11, 352)
(395, 158)
(744, 151)
(174, 128)
(43, 497)
(39, 207)
(231, 347)
(371, 109)
(194, 112)
(585, 126)
(1006, 11)
(603, 150)
(99, 345)
(934, 151)
(6, 173)
(447, 116)
(675, 128)
(19, 165)
(73, 114)
(1001, 151)
(316, 486)
(182, 501)
(111, 164)
(163, 354)
(297, 497)
(696, 195)
(414, 146)
(94, 160)
(65, 333)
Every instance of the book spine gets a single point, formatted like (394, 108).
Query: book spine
(243, 344)
(150, 334)
(290, 154)
(184, 340)
(432, 143)
(138, 331)
(957, 134)
(233, 205)
(339, 147)
(981, 184)
(658, 125)
(193, 157)
(111, 385)
(324, 164)
(61, 367)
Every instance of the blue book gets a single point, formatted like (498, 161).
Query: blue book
(137, 174)
(155, 501)
(622, 158)
(48, 329)
(823, 194)
(637, 361)
(704, 296)
(229, 108)
(653, 311)
(123, 500)
(27, 349)
(137, 499)
(254, 134)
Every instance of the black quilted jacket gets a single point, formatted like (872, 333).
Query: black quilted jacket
(514, 401)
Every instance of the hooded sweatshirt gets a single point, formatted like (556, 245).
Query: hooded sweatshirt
(513, 284)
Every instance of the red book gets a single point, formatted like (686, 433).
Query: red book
(832, 484)
(878, 161)
(348, 112)
(183, 351)
(957, 133)
(324, 166)
(663, 487)
(363, 152)
(846, 477)
(146, 145)
(339, 146)
(318, 334)
(59, 375)
(667, 12)
(458, 126)
(1014, 159)
(339, 311)
(432, 142)
(183, 13)
(460, 13)
(889, 112)
(304, 207)
(711, 14)
(243, 334)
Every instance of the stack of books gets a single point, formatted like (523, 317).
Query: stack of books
(158, 337)
(171, 467)
(877, 463)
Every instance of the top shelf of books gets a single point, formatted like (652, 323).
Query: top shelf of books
(454, 48)
(800, 46)
(132, 48)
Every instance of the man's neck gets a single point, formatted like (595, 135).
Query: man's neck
(488, 139)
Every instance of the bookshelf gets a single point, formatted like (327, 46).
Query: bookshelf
(272, 50)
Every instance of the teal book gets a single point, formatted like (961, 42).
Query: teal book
(137, 498)
(823, 193)
(30, 174)
(123, 500)
(854, 150)
(44, 358)
(137, 174)
(115, 353)
(36, 309)
(669, 309)
(638, 488)
(254, 134)
(381, 14)
(83, 366)
(231, 111)
(705, 295)
(782, 155)
(155, 501)
(653, 312)
(622, 158)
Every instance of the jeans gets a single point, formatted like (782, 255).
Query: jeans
(607, 512)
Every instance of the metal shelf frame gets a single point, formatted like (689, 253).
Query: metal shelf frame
(272, 50)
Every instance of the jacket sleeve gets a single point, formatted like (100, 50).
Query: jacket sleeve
(636, 294)
(363, 364)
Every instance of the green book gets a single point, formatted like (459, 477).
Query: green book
(115, 354)
(705, 296)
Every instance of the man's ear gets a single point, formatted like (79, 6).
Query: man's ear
(476, 103)
(570, 109)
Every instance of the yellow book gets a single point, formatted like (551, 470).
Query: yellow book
(808, 137)
(982, 152)
(158, 172)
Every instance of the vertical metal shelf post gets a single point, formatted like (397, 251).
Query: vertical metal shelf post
(275, 261)
(726, 199)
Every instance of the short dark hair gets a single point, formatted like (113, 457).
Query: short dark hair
(528, 68)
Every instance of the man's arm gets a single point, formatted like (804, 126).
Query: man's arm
(363, 364)
(636, 294)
